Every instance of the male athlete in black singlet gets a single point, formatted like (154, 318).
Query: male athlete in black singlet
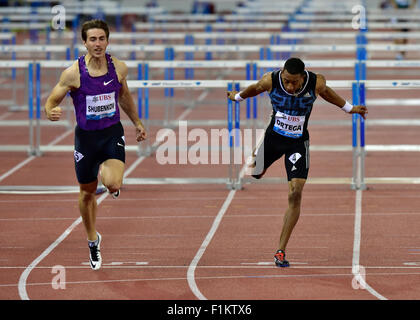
(292, 91)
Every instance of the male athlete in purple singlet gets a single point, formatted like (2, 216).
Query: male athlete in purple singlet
(98, 86)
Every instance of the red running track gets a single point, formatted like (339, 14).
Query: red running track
(152, 235)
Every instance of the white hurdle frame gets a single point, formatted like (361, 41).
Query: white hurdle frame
(237, 181)
(135, 84)
(28, 65)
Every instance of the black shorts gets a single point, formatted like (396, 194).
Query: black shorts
(91, 148)
(274, 146)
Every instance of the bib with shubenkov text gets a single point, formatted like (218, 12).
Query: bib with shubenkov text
(289, 126)
(100, 106)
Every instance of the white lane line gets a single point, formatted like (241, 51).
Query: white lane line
(356, 268)
(16, 168)
(61, 137)
(272, 276)
(144, 265)
(203, 247)
(183, 279)
(193, 265)
(120, 263)
(268, 263)
(24, 276)
(39, 192)
(27, 160)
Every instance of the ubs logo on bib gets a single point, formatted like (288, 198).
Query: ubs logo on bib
(289, 125)
(100, 106)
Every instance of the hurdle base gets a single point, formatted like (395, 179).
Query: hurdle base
(362, 187)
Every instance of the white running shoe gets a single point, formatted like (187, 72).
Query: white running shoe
(95, 254)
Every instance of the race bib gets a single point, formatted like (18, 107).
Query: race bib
(289, 126)
(100, 106)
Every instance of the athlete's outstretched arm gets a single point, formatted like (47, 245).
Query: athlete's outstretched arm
(331, 96)
(126, 103)
(264, 84)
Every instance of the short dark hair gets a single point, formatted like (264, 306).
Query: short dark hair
(294, 66)
(94, 24)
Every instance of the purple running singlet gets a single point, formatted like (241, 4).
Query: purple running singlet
(96, 100)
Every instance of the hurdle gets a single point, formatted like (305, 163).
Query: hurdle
(266, 38)
(238, 49)
(259, 35)
(192, 84)
(94, 9)
(358, 148)
(29, 21)
(241, 16)
(13, 86)
(143, 99)
(208, 26)
(384, 16)
(235, 177)
(13, 50)
(32, 27)
(31, 17)
(8, 37)
(251, 68)
(182, 36)
(39, 65)
(169, 65)
(28, 66)
(142, 68)
(348, 25)
(274, 51)
(173, 38)
(254, 65)
(257, 49)
(347, 8)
